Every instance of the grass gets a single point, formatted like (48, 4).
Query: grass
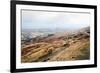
(85, 50)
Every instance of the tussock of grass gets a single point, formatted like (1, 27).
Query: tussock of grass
(85, 50)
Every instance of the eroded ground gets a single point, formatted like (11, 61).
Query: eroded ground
(62, 48)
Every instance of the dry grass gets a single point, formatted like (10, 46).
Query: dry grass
(76, 48)
(77, 51)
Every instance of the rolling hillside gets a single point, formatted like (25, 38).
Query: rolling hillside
(60, 46)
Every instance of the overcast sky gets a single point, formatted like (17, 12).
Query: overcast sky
(52, 20)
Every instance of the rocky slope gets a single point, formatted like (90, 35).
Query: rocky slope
(62, 46)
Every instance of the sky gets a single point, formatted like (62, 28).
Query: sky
(53, 20)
